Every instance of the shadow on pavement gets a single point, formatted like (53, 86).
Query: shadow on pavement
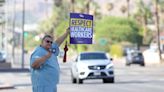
(15, 70)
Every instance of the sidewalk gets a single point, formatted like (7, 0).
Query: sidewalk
(12, 79)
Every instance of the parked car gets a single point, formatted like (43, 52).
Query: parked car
(92, 65)
(2, 57)
(135, 57)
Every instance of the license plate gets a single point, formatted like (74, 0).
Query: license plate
(137, 58)
(97, 73)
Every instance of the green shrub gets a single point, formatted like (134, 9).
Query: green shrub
(116, 50)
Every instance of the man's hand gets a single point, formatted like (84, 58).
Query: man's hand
(48, 55)
(68, 30)
(60, 40)
(38, 62)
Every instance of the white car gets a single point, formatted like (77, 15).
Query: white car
(92, 65)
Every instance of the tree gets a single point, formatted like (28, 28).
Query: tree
(85, 6)
(156, 3)
(161, 11)
(2, 22)
(143, 15)
(60, 17)
(128, 14)
(125, 8)
(116, 30)
(2, 2)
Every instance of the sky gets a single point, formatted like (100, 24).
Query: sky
(35, 10)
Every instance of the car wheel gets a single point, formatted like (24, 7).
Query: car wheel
(143, 64)
(73, 79)
(79, 81)
(108, 80)
(127, 64)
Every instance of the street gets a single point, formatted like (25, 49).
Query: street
(97, 32)
(127, 79)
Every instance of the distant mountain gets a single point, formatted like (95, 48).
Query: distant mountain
(35, 10)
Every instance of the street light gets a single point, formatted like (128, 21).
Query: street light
(13, 32)
(23, 22)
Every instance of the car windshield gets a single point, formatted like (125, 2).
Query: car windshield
(88, 56)
(137, 54)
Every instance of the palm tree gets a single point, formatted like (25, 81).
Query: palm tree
(128, 14)
(2, 3)
(123, 9)
(72, 5)
(109, 6)
(161, 10)
(157, 26)
(142, 15)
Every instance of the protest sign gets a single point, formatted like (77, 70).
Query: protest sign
(81, 28)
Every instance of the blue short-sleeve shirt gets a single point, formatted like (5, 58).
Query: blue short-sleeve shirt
(48, 73)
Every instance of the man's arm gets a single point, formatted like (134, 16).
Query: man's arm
(38, 62)
(60, 40)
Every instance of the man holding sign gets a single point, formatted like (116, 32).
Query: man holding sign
(81, 28)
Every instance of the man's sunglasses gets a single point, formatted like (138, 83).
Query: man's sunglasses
(49, 41)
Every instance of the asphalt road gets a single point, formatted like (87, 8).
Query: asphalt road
(127, 79)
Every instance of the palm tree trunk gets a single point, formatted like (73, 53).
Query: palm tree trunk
(144, 25)
(128, 14)
(157, 28)
(88, 6)
(72, 5)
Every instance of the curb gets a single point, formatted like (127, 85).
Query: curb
(6, 86)
(15, 70)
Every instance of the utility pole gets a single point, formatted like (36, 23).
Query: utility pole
(23, 22)
(157, 28)
(13, 33)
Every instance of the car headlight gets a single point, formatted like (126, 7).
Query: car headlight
(110, 66)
